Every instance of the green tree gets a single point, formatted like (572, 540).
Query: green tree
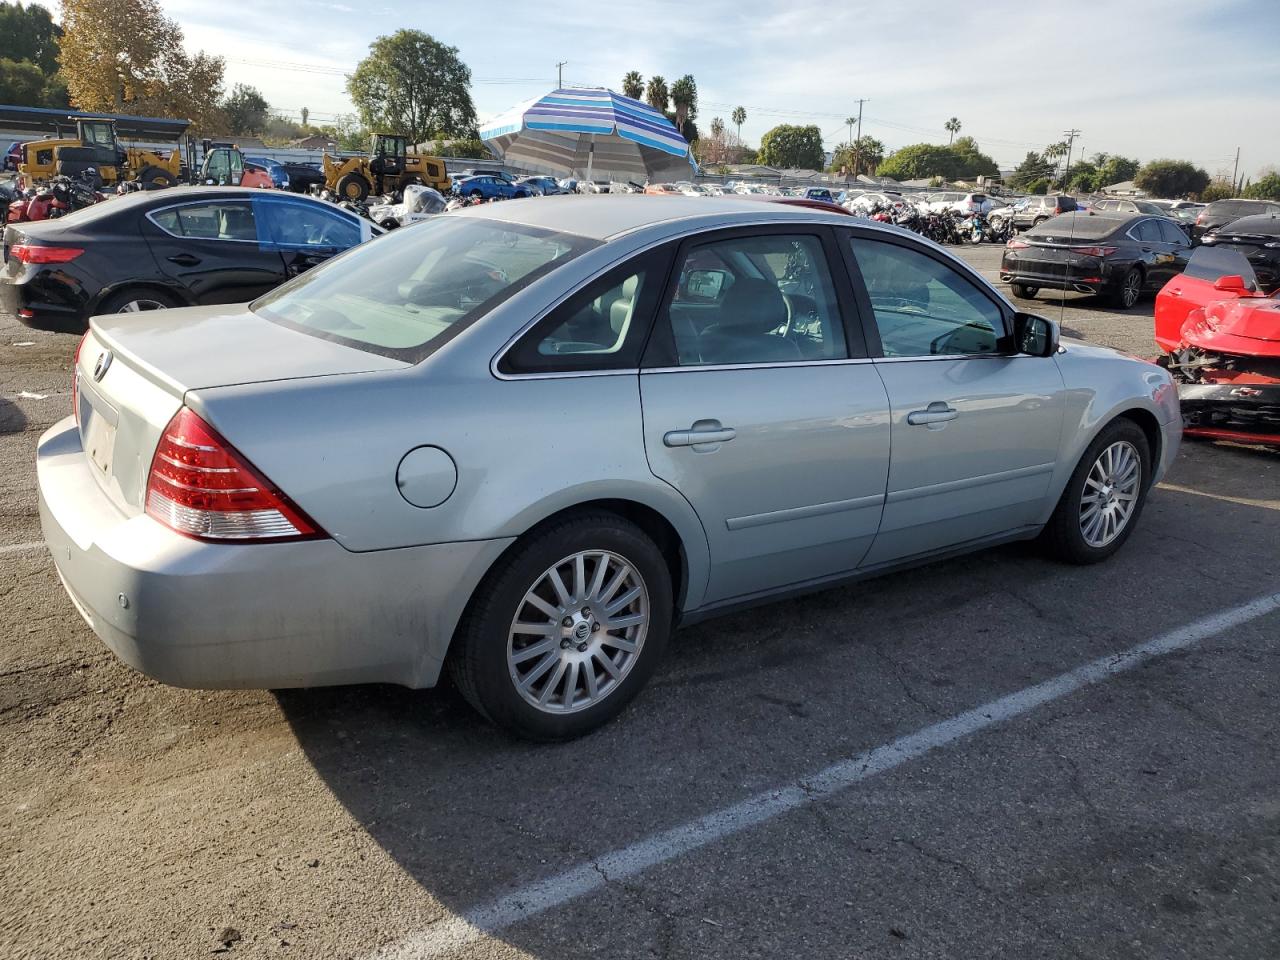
(656, 94)
(971, 161)
(1114, 169)
(1033, 167)
(684, 97)
(305, 114)
(24, 84)
(861, 156)
(1082, 177)
(920, 161)
(1171, 178)
(412, 84)
(246, 110)
(633, 85)
(1266, 187)
(29, 33)
(952, 127)
(739, 117)
(790, 146)
(1218, 189)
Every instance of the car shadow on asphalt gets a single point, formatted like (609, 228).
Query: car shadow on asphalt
(12, 419)
(757, 699)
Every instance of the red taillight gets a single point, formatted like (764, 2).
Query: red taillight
(1199, 219)
(75, 379)
(1016, 244)
(28, 253)
(1093, 251)
(200, 486)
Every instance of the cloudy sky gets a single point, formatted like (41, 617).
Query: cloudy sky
(1188, 79)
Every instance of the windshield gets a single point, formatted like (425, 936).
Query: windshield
(404, 294)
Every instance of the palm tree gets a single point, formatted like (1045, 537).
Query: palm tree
(717, 136)
(657, 94)
(684, 94)
(633, 85)
(739, 117)
(952, 126)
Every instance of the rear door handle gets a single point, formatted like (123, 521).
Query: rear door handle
(936, 412)
(184, 259)
(703, 431)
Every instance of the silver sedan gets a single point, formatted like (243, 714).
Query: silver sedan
(526, 441)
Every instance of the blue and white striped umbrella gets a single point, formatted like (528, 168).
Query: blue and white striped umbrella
(591, 134)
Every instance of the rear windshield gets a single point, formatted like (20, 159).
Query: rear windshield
(1075, 226)
(406, 293)
(1236, 208)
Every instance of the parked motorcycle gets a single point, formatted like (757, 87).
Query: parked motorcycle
(56, 198)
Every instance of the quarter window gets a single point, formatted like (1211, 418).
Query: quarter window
(601, 327)
(923, 307)
(217, 220)
(761, 299)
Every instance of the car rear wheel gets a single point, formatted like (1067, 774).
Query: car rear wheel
(135, 301)
(567, 629)
(1104, 497)
(1130, 290)
(1024, 292)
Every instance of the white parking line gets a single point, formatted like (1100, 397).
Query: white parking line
(535, 898)
(15, 549)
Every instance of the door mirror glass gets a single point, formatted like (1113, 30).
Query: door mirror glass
(1034, 335)
(705, 284)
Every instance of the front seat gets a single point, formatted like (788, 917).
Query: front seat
(744, 330)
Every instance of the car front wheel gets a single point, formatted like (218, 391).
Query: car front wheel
(566, 629)
(1104, 497)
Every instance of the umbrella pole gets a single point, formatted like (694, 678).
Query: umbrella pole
(591, 153)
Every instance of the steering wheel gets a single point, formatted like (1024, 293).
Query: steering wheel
(801, 309)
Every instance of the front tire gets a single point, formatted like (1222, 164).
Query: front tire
(1104, 497)
(567, 629)
(353, 187)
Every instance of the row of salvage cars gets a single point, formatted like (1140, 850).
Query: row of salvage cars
(524, 442)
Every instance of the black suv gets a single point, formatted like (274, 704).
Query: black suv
(1221, 212)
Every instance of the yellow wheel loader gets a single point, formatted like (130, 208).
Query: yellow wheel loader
(387, 168)
(97, 146)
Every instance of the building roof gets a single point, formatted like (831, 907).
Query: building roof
(43, 120)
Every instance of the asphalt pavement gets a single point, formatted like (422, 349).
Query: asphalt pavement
(996, 756)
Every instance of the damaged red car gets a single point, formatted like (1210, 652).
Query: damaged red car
(1220, 337)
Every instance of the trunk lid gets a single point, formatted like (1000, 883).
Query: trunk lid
(135, 369)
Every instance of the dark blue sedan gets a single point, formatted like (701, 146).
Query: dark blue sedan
(490, 188)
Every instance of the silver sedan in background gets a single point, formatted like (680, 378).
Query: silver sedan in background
(525, 441)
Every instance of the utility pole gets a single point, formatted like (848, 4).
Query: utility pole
(560, 74)
(1071, 139)
(1235, 170)
(857, 149)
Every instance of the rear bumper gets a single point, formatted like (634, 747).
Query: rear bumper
(1090, 278)
(25, 302)
(195, 614)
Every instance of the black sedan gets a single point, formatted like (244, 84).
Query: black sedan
(1222, 212)
(1258, 238)
(167, 248)
(1119, 256)
(303, 176)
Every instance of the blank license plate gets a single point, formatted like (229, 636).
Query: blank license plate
(99, 439)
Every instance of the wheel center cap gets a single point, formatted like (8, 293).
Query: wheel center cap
(581, 630)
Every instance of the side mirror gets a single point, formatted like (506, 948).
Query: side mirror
(1232, 283)
(1034, 335)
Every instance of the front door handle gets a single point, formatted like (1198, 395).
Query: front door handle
(185, 259)
(936, 412)
(704, 431)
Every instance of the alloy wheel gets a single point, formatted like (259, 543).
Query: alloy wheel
(134, 306)
(1110, 493)
(578, 631)
(1132, 287)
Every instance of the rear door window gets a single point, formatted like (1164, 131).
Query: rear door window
(302, 225)
(215, 220)
(1172, 233)
(1148, 231)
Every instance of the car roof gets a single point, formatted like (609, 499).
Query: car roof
(603, 217)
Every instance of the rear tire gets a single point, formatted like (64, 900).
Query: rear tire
(1104, 485)
(353, 187)
(136, 300)
(1024, 292)
(1126, 296)
(532, 696)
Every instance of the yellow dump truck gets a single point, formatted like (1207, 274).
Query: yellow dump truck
(388, 167)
